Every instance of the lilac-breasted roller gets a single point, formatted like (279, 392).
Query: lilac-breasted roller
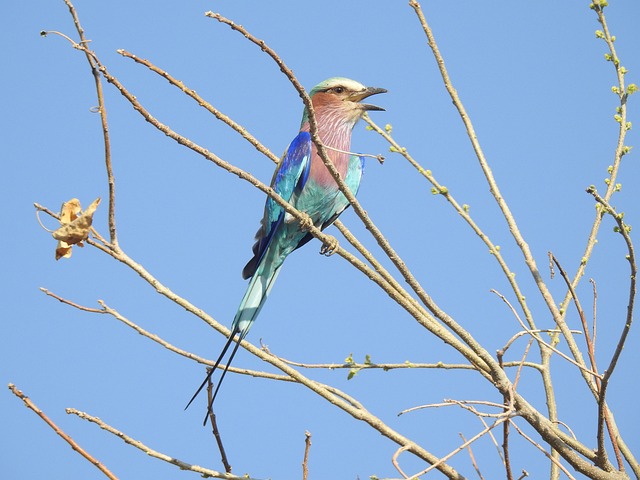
(303, 180)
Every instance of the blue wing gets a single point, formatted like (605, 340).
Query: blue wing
(290, 176)
(352, 179)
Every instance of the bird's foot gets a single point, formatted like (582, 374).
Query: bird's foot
(329, 247)
(306, 223)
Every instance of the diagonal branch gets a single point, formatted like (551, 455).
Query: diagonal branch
(74, 445)
(204, 472)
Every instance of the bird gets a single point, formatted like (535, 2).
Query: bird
(302, 179)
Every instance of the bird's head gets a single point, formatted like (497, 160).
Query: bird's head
(341, 97)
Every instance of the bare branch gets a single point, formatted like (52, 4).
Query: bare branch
(305, 460)
(620, 151)
(70, 303)
(585, 328)
(214, 427)
(546, 454)
(32, 406)
(462, 447)
(102, 109)
(542, 342)
(473, 459)
(603, 411)
(204, 472)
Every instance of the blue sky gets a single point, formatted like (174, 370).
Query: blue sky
(535, 84)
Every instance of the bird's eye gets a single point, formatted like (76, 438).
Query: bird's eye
(338, 90)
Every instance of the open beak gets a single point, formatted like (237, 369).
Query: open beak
(367, 92)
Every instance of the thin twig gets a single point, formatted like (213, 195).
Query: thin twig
(394, 366)
(507, 400)
(603, 411)
(396, 464)
(204, 472)
(32, 406)
(546, 454)
(70, 303)
(102, 109)
(461, 447)
(214, 427)
(542, 342)
(568, 428)
(40, 222)
(145, 333)
(521, 333)
(595, 310)
(305, 459)
(204, 104)
(620, 151)
(473, 459)
(583, 320)
(493, 439)
(465, 404)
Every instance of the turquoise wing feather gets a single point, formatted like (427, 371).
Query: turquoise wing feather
(289, 178)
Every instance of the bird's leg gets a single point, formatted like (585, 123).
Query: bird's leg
(329, 247)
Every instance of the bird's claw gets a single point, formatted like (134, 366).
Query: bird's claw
(306, 223)
(329, 247)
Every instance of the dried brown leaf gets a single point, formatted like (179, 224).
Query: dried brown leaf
(75, 226)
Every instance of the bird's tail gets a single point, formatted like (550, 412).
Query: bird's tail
(250, 306)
